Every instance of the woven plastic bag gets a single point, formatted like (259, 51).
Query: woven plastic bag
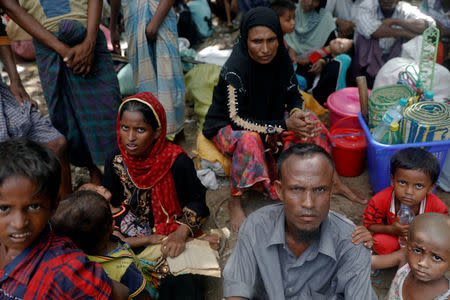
(200, 83)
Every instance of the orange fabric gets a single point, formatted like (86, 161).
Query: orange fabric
(4, 41)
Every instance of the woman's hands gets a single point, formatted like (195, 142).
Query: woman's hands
(300, 123)
(176, 241)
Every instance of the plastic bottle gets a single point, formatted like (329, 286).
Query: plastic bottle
(393, 114)
(405, 216)
(428, 96)
(393, 136)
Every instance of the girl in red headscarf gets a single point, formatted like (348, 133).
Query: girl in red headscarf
(156, 193)
(153, 179)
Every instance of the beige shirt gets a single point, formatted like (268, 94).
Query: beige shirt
(50, 12)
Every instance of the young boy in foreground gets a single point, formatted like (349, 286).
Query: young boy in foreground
(85, 217)
(414, 173)
(422, 265)
(35, 263)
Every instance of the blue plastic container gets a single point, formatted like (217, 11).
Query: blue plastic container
(379, 156)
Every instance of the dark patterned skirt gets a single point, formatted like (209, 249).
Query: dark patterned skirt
(83, 109)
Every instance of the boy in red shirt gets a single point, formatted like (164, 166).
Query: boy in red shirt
(34, 262)
(414, 173)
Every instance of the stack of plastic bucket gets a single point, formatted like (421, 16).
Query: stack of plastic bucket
(349, 146)
(343, 103)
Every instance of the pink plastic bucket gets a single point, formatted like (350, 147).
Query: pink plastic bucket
(343, 103)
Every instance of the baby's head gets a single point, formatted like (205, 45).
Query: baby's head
(285, 10)
(340, 46)
(414, 173)
(96, 188)
(429, 246)
(84, 217)
(30, 175)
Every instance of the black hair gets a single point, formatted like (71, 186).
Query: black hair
(302, 150)
(23, 157)
(281, 6)
(416, 159)
(145, 110)
(322, 4)
(85, 217)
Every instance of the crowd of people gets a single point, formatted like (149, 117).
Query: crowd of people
(144, 193)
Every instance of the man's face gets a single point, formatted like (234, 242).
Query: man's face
(388, 4)
(305, 189)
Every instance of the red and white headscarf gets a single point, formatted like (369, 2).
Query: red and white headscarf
(153, 172)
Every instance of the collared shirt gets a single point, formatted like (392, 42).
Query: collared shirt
(262, 264)
(369, 17)
(52, 267)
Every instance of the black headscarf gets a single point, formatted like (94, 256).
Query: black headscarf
(263, 84)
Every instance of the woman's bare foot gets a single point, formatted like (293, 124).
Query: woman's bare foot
(341, 189)
(237, 215)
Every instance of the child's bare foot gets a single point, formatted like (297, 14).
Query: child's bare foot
(237, 215)
(341, 189)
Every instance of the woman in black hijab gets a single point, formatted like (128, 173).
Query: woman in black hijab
(257, 109)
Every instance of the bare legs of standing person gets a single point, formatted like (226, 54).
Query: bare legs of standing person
(59, 146)
(237, 215)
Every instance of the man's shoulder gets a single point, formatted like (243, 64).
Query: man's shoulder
(265, 216)
(340, 230)
(262, 220)
(340, 225)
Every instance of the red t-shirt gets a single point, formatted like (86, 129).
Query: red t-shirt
(381, 208)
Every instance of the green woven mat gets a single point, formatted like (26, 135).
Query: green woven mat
(381, 99)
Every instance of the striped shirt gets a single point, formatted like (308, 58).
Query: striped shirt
(369, 17)
(52, 267)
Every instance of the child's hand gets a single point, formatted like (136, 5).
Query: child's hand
(400, 230)
(317, 67)
(362, 235)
